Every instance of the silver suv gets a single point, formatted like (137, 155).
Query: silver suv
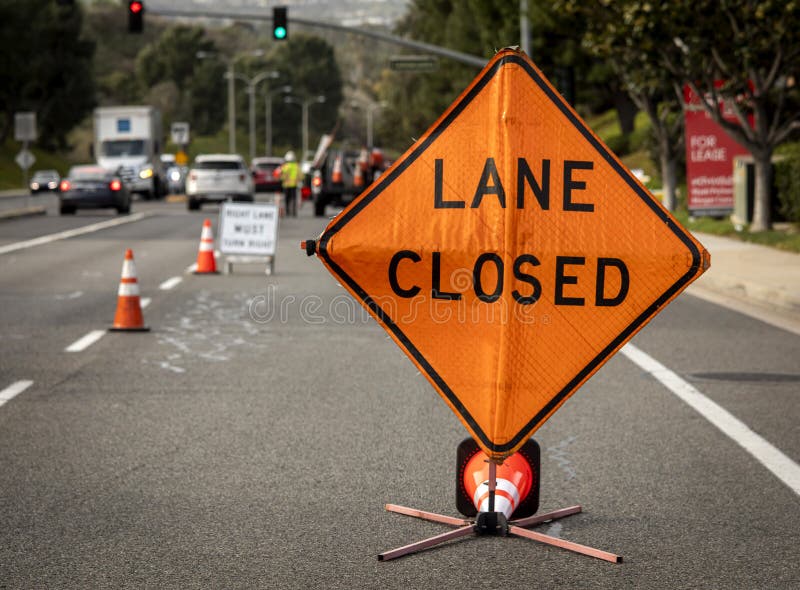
(214, 178)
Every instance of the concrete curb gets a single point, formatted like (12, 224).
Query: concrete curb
(26, 212)
(752, 273)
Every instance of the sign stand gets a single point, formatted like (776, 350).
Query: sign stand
(492, 523)
(268, 260)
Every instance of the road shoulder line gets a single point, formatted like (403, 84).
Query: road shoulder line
(762, 450)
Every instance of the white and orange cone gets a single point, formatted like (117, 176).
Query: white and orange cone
(129, 308)
(516, 481)
(206, 263)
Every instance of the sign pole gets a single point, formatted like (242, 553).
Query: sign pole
(25, 178)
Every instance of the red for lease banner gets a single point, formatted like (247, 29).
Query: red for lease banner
(709, 159)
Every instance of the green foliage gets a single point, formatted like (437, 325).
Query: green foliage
(309, 65)
(787, 181)
(47, 67)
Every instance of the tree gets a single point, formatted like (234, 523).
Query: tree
(308, 64)
(741, 55)
(627, 34)
(173, 58)
(51, 69)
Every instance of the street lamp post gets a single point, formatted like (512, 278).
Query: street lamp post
(230, 76)
(268, 115)
(304, 104)
(251, 91)
(370, 110)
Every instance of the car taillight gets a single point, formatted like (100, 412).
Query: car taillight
(64, 186)
(115, 185)
(316, 181)
(276, 173)
(193, 176)
(242, 177)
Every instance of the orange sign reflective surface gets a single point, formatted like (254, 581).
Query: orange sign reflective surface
(509, 253)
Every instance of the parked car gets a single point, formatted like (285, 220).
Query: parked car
(44, 181)
(267, 174)
(90, 187)
(216, 178)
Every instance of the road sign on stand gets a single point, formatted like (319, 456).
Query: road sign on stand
(25, 126)
(248, 232)
(509, 253)
(179, 132)
(25, 159)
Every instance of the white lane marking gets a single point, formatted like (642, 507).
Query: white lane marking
(144, 302)
(13, 390)
(170, 283)
(763, 451)
(85, 342)
(191, 268)
(70, 233)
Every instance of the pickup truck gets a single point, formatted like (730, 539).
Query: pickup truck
(218, 177)
(340, 176)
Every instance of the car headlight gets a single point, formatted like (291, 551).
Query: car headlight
(175, 175)
(146, 173)
(35, 185)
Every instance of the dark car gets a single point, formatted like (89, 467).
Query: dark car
(44, 181)
(91, 187)
(267, 174)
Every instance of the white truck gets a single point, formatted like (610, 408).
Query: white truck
(128, 140)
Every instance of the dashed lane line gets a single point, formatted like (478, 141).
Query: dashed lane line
(762, 450)
(170, 283)
(71, 233)
(83, 343)
(14, 390)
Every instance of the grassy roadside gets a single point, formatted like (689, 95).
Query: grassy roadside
(11, 176)
(784, 237)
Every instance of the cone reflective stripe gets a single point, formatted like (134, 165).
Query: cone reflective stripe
(336, 175)
(128, 316)
(206, 263)
(514, 481)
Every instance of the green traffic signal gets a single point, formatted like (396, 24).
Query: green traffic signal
(280, 23)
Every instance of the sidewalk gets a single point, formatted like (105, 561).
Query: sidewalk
(752, 274)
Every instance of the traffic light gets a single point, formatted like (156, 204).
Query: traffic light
(280, 24)
(135, 16)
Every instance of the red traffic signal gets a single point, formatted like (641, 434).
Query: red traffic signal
(135, 16)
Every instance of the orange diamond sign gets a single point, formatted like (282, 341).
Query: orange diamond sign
(509, 253)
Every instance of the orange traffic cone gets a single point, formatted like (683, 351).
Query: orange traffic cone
(336, 175)
(129, 308)
(206, 263)
(517, 481)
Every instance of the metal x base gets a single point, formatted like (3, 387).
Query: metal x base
(467, 527)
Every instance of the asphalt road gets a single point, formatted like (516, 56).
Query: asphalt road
(252, 437)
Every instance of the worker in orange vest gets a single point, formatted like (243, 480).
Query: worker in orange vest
(290, 176)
